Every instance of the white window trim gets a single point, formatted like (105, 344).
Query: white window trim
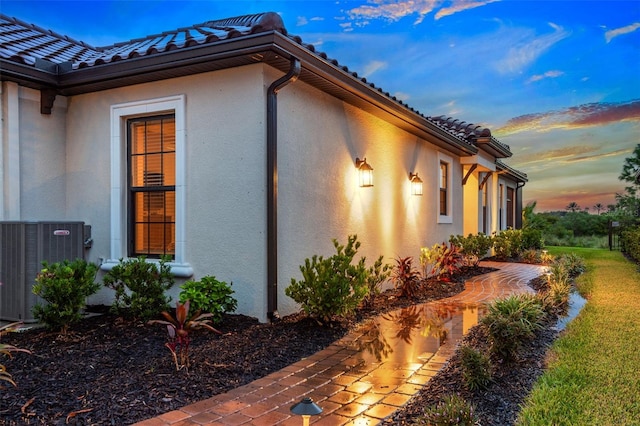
(119, 115)
(448, 218)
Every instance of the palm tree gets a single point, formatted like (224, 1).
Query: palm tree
(598, 207)
(573, 207)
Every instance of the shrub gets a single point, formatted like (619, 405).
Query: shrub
(512, 320)
(377, 274)
(476, 368)
(472, 247)
(429, 258)
(452, 410)
(573, 264)
(180, 329)
(332, 286)
(65, 286)
(209, 296)
(508, 243)
(531, 256)
(405, 277)
(630, 242)
(140, 287)
(448, 262)
(531, 239)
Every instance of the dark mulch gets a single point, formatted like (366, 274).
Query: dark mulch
(107, 371)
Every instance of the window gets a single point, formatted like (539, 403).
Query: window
(151, 146)
(444, 213)
(444, 179)
(148, 188)
(510, 212)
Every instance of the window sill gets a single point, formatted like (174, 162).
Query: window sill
(179, 270)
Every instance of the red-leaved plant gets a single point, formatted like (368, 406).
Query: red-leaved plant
(405, 277)
(179, 329)
(448, 262)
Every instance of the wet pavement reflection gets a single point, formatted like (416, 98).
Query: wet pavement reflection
(414, 333)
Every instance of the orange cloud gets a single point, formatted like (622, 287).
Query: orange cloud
(587, 115)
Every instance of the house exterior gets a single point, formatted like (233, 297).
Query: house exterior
(232, 147)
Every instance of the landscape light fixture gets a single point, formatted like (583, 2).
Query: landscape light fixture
(365, 171)
(416, 184)
(305, 408)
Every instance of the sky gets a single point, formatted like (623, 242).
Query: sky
(558, 81)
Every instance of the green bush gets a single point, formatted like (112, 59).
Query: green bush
(532, 239)
(452, 410)
(472, 247)
(332, 286)
(531, 256)
(573, 264)
(378, 273)
(476, 368)
(512, 320)
(209, 296)
(507, 244)
(65, 286)
(630, 242)
(140, 288)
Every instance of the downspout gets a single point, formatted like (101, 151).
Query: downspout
(272, 186)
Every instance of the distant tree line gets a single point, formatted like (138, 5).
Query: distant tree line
(564, 227)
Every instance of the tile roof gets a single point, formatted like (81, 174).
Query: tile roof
(33, 46)
(27, 43)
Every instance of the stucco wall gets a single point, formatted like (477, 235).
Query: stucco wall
(40, 153)
(319, 196)
(319, 138)
(225, 165)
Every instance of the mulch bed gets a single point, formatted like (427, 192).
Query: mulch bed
(108, 371)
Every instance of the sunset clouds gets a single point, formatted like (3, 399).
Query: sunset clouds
(558, 81)
(594, 114)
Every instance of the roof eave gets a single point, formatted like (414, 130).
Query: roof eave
(491, 146)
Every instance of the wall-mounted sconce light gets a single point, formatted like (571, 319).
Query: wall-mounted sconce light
(416, 184)
(365, 171)
(305, 408)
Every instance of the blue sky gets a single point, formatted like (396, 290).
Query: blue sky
(558, 81)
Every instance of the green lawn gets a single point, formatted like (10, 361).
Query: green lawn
(593, 375)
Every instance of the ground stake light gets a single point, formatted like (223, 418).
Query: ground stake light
(306, 408)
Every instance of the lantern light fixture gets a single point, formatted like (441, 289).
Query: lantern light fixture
(416, 184)
(365, 171)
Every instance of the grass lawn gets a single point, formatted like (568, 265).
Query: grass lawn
(593, 375)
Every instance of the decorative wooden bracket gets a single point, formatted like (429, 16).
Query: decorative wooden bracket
(485, 179)
(464, 180)
(47, 97)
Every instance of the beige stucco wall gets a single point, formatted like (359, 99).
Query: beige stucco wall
(225, 167)
(319, 199)
(33, 160)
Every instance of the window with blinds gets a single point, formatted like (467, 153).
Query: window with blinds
(444, 178)
(151, 180)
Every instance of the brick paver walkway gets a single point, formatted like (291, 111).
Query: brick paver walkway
(354, 386)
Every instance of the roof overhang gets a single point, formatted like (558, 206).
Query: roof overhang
(490, 145)
(271, 47)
